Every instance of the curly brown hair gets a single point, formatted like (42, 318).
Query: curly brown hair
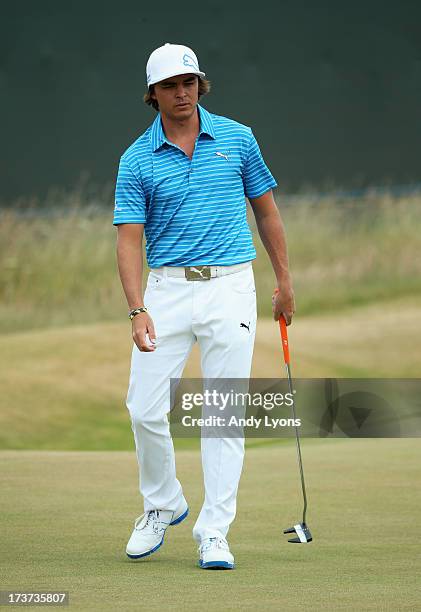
(204, 88)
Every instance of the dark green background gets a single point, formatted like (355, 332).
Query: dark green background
(331, 89)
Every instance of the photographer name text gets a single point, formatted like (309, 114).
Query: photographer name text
(234, 421)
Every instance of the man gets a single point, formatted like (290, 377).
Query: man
(184, 182)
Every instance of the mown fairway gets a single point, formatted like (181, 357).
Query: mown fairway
(67, 517)
(65, 388)
(65, 348)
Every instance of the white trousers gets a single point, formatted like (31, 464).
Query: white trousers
(212, 313)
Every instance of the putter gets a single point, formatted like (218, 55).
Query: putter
(300, 529)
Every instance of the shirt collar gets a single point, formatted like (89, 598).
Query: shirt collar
(206, 122)
(158, 136)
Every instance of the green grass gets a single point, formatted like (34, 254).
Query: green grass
(64, 363)
(65, 388)
(66, 518)
(349, 253)
(61, 269)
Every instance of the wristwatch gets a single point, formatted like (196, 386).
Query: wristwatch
(136, 311)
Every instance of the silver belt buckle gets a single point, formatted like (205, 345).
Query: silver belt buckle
(197, 273)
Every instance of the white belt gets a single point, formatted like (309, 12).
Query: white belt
(200, 273)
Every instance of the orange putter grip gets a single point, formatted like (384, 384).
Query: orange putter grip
(284, 337)
(284, 334)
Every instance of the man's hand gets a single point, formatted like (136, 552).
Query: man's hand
(142, 328)
(283, 302)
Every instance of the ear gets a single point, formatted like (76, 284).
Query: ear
(152, 92)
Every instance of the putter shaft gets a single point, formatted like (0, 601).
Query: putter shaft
(297, 439)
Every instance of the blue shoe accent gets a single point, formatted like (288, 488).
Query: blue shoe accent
(147, 553)
(216, 565)
(180, 518)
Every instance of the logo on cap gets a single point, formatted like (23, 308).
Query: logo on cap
(189, 61)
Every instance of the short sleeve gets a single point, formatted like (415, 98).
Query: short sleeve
(130, 201)
(257, 177)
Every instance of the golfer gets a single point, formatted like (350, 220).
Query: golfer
(184, 183)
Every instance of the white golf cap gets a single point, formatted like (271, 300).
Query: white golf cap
(171, 60)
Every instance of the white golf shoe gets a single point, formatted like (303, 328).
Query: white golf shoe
(214, 553)
(149, 530)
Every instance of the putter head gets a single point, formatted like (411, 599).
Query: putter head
(303, 533)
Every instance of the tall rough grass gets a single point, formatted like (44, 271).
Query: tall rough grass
(350, 252)
(59, 266)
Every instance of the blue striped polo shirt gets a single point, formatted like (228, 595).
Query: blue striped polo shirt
(193, 210)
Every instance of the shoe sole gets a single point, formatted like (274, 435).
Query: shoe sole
(146, 554)
(217, 565)
(150, 552)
